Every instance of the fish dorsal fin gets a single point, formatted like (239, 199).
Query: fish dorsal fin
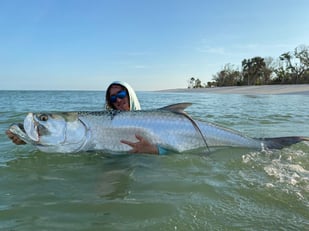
(197, 128)
(178, 107)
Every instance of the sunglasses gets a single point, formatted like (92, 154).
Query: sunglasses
(121, 94)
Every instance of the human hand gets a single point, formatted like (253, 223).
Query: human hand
(142, 146)
(14, 138)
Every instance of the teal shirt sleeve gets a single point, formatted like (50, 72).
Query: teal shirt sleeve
(162, 151)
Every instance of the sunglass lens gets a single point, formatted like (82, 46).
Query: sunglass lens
(113, 99)
(120, 95)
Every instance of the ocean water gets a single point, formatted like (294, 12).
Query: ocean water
(230, 189)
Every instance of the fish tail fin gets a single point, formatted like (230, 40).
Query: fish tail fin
(281, 142)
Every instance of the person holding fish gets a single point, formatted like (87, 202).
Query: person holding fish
(119, 96)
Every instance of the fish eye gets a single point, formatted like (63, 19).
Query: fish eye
(43, 117)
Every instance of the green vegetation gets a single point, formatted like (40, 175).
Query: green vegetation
(289, 68)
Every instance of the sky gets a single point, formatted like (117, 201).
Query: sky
(151, 44)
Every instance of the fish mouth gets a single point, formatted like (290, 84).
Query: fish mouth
(18, 130)
(31, 127)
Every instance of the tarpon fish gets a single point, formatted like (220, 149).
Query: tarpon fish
(169, 127)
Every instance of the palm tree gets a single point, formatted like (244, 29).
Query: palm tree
(253, 70)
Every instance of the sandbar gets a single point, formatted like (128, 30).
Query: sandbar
(299, 89)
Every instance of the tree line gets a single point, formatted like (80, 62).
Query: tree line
(288, 68)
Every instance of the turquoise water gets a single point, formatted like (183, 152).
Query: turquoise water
(231, 189)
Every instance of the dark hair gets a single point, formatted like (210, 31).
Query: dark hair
(107, 95)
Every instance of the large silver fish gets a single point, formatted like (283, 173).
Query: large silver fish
(168, 127)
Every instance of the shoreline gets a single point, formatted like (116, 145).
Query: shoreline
(298, 89)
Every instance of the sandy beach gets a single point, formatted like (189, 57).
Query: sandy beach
(251, 90)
